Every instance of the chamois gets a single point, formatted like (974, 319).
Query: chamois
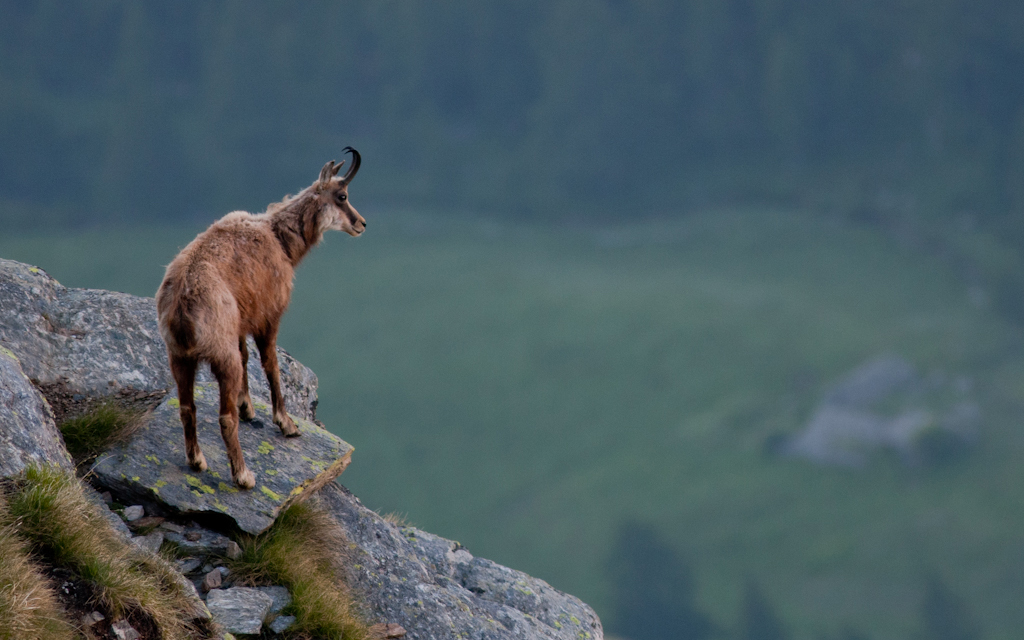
(234, 280)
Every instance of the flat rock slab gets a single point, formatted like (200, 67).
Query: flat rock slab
(152, 468)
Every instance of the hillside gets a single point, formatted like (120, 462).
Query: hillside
(562, 387)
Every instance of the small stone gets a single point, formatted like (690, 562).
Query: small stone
(212, 580)
(173, 527)
(279, 595)
(193, 536)
(280, 623)
(107, 498)
(90, 619)
(147, 522)
(134, 512)
(234, 551)
(150, 541)
(207, 568)
(239, 610)
(124, 631)
(188, 565)
(224, 571)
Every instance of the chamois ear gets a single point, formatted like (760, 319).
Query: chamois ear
(328, 172)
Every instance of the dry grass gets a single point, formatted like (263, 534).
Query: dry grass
(28, 607)
(397, 519)
(54, 516)
(304, 551)
(104, 425)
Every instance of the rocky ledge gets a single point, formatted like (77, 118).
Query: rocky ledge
(75, 347)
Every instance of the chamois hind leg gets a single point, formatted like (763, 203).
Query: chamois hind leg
(228, 372)
(184, 371)
(267, 344)
(245, 409)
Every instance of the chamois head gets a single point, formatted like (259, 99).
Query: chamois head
(332, 192)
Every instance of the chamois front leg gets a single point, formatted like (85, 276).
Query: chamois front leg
(184, 372)
(245, 409)
(268, 356)
(229, 375)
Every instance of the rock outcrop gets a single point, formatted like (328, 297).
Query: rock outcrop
(435, 588)
(78, 345)
(152, 467)
(93, 343)
(27, 432)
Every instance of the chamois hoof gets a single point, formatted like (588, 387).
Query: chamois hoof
(245, 411)
(288, 428)
(199, 464)
(245, 479)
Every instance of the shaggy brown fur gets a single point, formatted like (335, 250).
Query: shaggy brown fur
(235, 280)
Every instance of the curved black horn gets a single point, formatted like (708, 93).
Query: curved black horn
(355, 165)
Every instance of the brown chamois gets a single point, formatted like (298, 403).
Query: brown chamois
(235, 280)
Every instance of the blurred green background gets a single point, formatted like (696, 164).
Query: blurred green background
(622, 254)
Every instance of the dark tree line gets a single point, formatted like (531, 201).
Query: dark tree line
(114, 110)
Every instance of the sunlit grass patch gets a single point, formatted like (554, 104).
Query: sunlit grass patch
(28, 606)
(51, 511)
(106, 424)
(303, 552)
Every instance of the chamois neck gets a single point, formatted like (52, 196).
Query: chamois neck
(295, 222)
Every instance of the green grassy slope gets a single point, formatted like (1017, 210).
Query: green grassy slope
(524, 390)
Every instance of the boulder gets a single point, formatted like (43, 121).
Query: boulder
(85, 343)
(152, 468)
(28, 434)
(434, 588)
(886, 404)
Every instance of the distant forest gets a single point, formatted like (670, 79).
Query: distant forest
(116, 111)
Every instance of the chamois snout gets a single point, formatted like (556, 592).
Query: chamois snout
(350, 222)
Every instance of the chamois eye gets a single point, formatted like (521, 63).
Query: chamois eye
(343, 197)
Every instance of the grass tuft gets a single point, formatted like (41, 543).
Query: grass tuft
(303, 551)
(28, 606)
(105, 425)
(53, 514)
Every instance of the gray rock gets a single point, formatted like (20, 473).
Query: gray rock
(436, 589)
(281, 623)
(233, 551)
(279, 595)
(151, 541)
(885, 404)
(199, 542)
(172, 527)
(239, 609)
(104, 508)
(134, 512)
(188, 565)
(29, 435)
(124, 631)
(101, 343)
(92, 618)
(152, 467)
(212, 580)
